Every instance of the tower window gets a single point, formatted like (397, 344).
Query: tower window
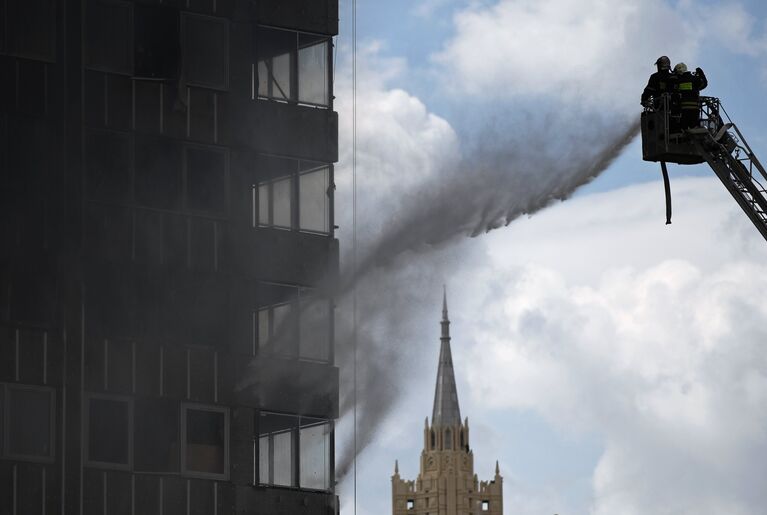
(448, 439)
(433, 439)
(485, 505)
(410, 504)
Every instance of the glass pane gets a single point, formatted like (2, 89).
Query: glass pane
(281, 199)
(313, 70)
(315, 329)
(263, 204)
(206, 183)
(263, 80)
(205, 437)
(313, 200)
(156, 435)
(108, 431)
(263, 460)
(29, 423)
(280, 77)
(263, 328)
(315, 456)
(283, 458)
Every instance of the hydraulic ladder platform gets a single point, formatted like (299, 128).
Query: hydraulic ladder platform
(718, 142)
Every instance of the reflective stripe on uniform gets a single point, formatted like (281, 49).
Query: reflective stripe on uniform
(685, 86)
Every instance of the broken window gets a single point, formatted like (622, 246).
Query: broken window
(206, 56)
(283, 439)
(205, 436)
(297, 195)
(108, 36)
(292, 66)
(156, 41)
(109, 431)
(31, 28)
(28, 416)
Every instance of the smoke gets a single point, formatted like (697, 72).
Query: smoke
(507, 174)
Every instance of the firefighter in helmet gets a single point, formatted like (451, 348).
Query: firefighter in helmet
(659, 83)
(687, 87)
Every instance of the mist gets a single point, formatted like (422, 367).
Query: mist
(504, 175)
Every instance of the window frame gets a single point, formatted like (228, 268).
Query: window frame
(295, 458)
(87, 461)
(5, 450)
(131, 39)
(294, 80)
(185, 207)
(295, 197)
(185, 407)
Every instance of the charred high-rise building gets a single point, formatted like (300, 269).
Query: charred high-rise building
(166, 187)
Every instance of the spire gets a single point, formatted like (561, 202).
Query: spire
(446, 411)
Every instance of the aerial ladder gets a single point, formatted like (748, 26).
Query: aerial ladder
(716, 141)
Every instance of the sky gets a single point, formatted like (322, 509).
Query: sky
(610, 363)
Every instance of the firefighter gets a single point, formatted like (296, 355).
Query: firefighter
(658, 84)
(687, 87)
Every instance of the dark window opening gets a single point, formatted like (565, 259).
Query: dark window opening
(156, 42)
(29, 418)
(206, 43)
(433, 439)
(108, 41)
(448, 439)
(205, 441)
(108, 166)
(109, 432)
(31, 28)
(158, 174)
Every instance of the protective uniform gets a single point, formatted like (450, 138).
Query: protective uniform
(687, 87)
(659, 83)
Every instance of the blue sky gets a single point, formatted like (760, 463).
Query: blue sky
(575, 329)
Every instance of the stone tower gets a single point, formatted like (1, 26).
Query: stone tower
(446, 484)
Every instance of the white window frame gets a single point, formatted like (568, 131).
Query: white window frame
(185, 407)
(86, 431)
(5, 444)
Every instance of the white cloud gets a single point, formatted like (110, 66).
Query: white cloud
(592, 51)
(663, 356)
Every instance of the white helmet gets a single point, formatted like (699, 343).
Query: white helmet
(680, 68)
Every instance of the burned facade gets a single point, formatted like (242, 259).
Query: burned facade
(446, 483)
(166, 186)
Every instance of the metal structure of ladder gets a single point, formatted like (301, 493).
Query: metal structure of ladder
(718, 142)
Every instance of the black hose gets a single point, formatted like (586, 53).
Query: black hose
(667, 187)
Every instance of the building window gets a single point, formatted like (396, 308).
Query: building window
(156, 436)
(27, 422)
(109, 44)
(205, 437)
(314, 454)
(206, 54)
(485, 505)
(156, 41)
(297, 195)
(293, 67)
(410, 504)
(30, 28)
(293, 322)
(288, 444)
(109, 433)
(448, 439)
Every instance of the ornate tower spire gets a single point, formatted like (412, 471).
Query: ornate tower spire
(446, 411)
